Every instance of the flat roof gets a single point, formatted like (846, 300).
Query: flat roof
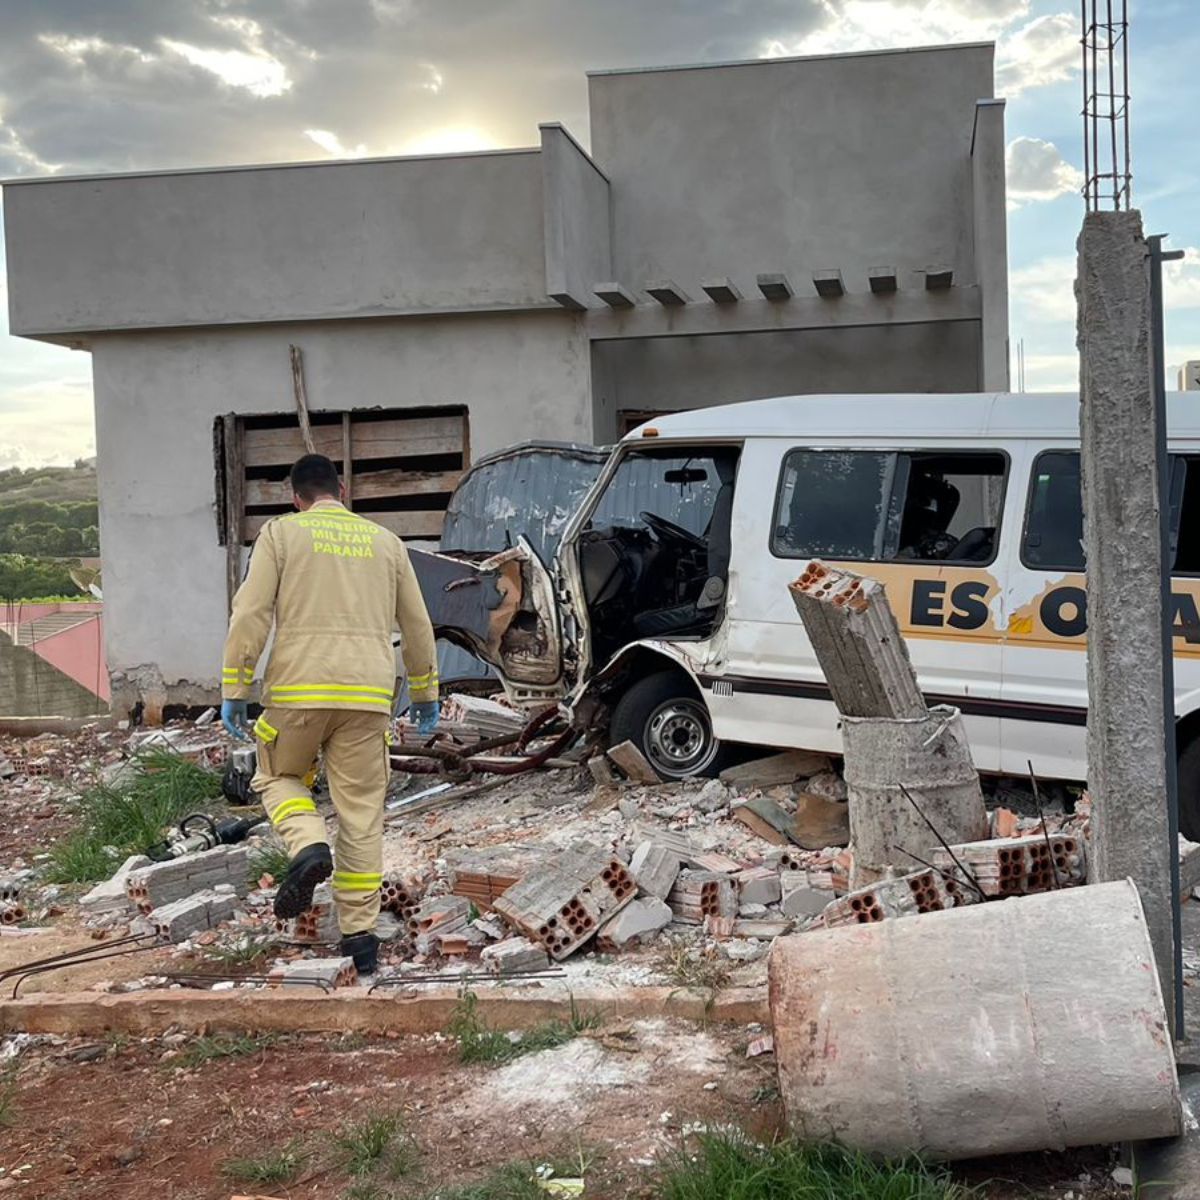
(795, 58)
(886, 419)
(270, 166)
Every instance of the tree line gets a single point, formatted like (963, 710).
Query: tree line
(41, 528)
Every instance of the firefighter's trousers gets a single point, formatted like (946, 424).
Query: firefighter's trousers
(356, 766)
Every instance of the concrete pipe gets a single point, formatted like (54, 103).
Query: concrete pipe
(1034, 1023)
(931, 757)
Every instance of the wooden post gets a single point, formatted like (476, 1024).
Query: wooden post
(347, 461)
(301, 402)
(235, 496)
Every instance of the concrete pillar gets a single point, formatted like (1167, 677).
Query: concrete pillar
(991, 242)
(1126, 759)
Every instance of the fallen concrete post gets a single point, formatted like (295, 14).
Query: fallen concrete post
(1033, 1024)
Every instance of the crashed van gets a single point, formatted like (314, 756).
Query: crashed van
(664, 613)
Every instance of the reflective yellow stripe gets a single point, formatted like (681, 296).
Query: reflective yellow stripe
(333, 697)
(229, 672)
(267, 732)
(294, 805)
(329, 687)
(421, 681)
(357, 881)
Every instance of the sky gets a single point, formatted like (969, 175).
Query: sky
(118, 85)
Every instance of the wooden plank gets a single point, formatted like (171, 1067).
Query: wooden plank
(633, 762)
(397, 438)
(301, 401)
(425, 524)
(372, 485)
(347, 463)
(776, 769)
(235, 505)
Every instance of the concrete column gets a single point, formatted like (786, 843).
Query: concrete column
(991, 242)
(1126, 761)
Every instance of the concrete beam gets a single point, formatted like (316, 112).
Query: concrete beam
(665, 291)
(991, 241)
(614, 295)
(882, 280)
(754, 315)
(775, 286)
(938, 278)
(721, 291)
(829, 284)
(270, 1010)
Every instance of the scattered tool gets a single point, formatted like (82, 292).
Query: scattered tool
(186, 838)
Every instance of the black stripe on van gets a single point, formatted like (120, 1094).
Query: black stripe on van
(1012, 710)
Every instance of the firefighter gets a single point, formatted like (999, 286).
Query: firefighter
(336, 585)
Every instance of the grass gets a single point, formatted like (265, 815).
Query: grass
(377, 1142)
(8, 1094)
(347, 1043)
(731, 1166)
(272, 1166)
(478, 1043)
(119, 821)
(688, 968)
(243, 951)
(207, 1049)
(268, 859)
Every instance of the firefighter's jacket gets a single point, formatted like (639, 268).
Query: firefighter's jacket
(336, 585)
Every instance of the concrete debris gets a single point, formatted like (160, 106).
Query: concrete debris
(10, 889)
(713, 797)
(7, 770)
(179, 919)
(317, 925)
(828, 784)
(633, 763)
(437, 916)
(655, 868)
(799, 899)
(758, 885)
(337, 972)
(820, 822)
(765, 818)
(1017, 866)
(12, 912)
(389, 927)
(761, 929)
(111, 895)
(1189, 865)
(920, 892)
(489, 718)
(635, 921)
(162, 883)
(514, 955)
(484, 875)
(400, 897)
(602, 771)
(563, 902)
(700, 894)
(775, 770)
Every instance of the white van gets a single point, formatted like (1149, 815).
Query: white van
(666, 611)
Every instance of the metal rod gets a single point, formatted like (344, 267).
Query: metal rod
(1083, 75)
(937, 834)
(1037, 799)
(190, 978)
(1112, 105)
(59, 964)
(457, 979)
(1157, 257)
(925, 863)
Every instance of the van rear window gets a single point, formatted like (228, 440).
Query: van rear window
(884, 506)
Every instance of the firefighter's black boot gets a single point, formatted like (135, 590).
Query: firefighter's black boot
(364, 949)
(313, 865)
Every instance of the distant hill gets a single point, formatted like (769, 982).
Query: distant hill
(57, 485)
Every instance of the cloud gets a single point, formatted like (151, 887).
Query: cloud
(1037, 171)
(332, 144)
(1043, 52)
(1043, 291)
(259, 74)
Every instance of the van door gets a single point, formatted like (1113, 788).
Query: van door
(924, 521)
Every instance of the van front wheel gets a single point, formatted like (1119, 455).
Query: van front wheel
(665, 718)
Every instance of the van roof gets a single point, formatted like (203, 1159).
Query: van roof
(922, 415)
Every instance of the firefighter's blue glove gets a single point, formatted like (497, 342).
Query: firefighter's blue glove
(425, 715)
(234, 716)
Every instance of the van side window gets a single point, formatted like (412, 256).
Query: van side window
(886, 506)
(1054, 523)
(1187, 514)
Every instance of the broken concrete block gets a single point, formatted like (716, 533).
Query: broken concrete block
(700, 894)
(336, 972)
(655, 868)
(761, 929)
(317, 925)
(765, 818)
(483, 875)
(12, 912)
(437, 916)
(919, 892)
(714, 795)
(514, 955)
(161, 883)
(10, 889)
(637, 920)
(830, 785)
(711, 860)
(745, 950)
(400, 897)
(758, 885)
(601, 771)
(1015, 866)
(752, 911)
(562, 903)
(799, 899)
(681, 843)
(179, 919)
(633, 763)
(110, 896)
(819, 823)
(719, 927)
(775, 769)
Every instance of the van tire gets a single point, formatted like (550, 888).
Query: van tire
(1188, 784)
(665, 717)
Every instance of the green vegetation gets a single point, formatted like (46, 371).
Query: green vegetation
(513, 1181)
(377, 1142)
(272, 1166)
(207, 1049)
(119, 821)
(731, 1166)
(240, 951)
(268, 859)
(477, 1043)
(29, 580)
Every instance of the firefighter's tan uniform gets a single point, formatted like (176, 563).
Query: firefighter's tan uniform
(336, 585)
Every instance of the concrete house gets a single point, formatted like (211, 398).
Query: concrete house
(743, 230)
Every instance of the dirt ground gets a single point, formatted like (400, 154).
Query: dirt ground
(114, 1121)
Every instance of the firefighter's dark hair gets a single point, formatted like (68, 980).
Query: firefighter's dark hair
(314, 476)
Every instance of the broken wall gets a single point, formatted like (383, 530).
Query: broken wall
(32, 687)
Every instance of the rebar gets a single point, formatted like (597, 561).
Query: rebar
(1105, 47)
(118, 948)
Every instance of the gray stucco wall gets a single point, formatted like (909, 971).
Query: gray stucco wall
(32, 687)
(671, 374)
(157, 394)
(849, 161)
(276, 243)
